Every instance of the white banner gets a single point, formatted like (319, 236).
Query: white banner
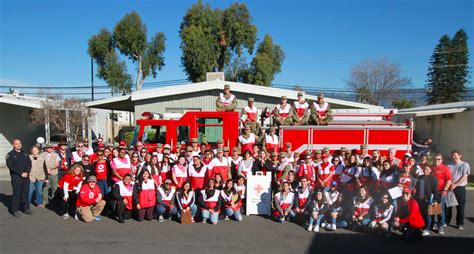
(259, 194)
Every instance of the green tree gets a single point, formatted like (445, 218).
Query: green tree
(266, 63)
(219, 40)
(403, 103)
(130, 39)
(448, 72)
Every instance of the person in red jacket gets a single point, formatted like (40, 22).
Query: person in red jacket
(144, 196)
(89, 201)
(408, 217)
(68, 187)
(123, 197)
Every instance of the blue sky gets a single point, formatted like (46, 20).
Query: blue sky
(44, 43)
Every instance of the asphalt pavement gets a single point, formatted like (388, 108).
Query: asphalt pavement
(46, 232)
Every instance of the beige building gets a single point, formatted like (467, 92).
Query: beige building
(202, 97)
(450, 125)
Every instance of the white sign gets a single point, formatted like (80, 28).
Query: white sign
(395, 192)
(259, 193)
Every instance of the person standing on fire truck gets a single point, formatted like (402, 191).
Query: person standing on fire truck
(271, 141)
(300, 111)
(321, 113)
(226, 102)
(250, 116)
(282, 114)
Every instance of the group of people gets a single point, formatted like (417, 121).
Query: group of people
(322, 189)
(300, 112)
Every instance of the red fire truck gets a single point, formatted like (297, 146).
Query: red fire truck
(349, 129)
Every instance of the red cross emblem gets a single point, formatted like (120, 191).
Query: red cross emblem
(258, 189)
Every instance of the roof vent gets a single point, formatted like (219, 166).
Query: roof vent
(210, 76)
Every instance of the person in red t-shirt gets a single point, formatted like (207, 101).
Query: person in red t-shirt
(443, 174)
(89, 201)
(102, 171)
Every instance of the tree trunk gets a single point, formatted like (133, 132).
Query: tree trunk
(139, 74)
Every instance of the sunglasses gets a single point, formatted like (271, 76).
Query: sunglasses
(80, 146)
(134, 156)
(100, 154)
(85, 160)
(438, 159)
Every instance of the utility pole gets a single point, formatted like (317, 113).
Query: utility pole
(92, 79)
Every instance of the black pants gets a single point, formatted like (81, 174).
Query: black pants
(460, 193)
(145, 213)
(68, 206)
(122, 212)
(21, 187)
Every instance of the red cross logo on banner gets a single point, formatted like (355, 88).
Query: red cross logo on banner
(258, 189)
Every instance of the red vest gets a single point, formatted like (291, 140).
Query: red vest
(197, 178)
(181, 173)
(300, 108)
(272, 143)
(147, 196)
(283, 112)
(212, 201)
(322, 110)
(167, 198)
(122, 168)
(126, 193)
(284, 202)
(247, 143)
(219, 167)
(251, 114)
(324, 170)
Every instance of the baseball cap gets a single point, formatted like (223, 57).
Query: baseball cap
(334, 183)
(168, 181)
(122, 143)
(167, 146)
(91, 179)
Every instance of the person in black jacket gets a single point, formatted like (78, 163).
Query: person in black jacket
(262, 164)
(210, 202)
(87, 166)
(19, 164)
(426, 193)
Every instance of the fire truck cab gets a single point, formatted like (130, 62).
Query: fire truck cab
(205, 126)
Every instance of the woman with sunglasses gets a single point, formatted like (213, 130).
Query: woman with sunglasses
(408, 218)
(338, 168)
(382, 213)
(101, 171)
(121, 165)
(87, 166)
(369, 175)
(165, 167)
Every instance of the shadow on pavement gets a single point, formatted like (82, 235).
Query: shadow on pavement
(369, 243)
(6, 200)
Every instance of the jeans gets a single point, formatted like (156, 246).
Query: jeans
(165, 210)
(207, 215)
(460, 193)
(312, 221)
(193, 212)
(237, 215)
(281, 218)
(442, 217)
(365, 222)
(37, 188)
(103, 186)
(50, 188)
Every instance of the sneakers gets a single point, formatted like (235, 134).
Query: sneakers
(310, 227)
(65, 216)
(98, 218)
(332, 227)
(435, 227)
(323, 225)
(121, 221)
(316, 228)
(161, 219)
(460, 227)
(28, 211)
(76, 217)
(226, 217)
(192, 220)
(441, 231)
(204, 221)
(426, 232)
(445, 225)
(17, 214)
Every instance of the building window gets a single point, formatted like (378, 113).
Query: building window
(209, 130)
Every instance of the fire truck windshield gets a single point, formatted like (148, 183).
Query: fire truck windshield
(153, 134)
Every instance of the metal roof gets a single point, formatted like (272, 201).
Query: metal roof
(452, 105)
(122, 101)
(20, 100)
